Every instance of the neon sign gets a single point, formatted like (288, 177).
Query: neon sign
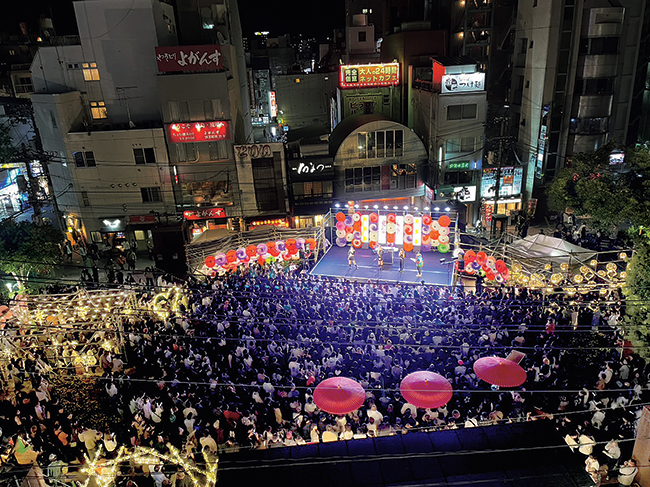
(198, 131)
(369, 75)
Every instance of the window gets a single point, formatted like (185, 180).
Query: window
(460, 177)
(85, 199)
(84, 158)
(399, 142)
(98, 109)
(151, 195)
(594, 86)
(266, 192)
(218, 150)
(91, 73)
(361, 138)
(186, 152)
(390, 144)
(179, 111)
(380, 144)
(362, 36)
(465, 144)
(462, 112)
(144, 156)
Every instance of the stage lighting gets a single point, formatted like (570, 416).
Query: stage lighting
(386, 207)
(376, 207)
(416, 208)
(427, 208)
(394, 207)
(366, 207)
(437, 208)
(337, 205)
(447, 209)
(406, 208)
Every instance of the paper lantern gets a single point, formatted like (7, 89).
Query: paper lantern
(374, 217)
(349, 229)
(210, 261)
(339, 395)
(311, 242)
(274, 252)
(408, 239)
(443, 239)
(261, 260)
(390, 238)
(435, 234)
(481, 257)
(340, 216)
(372, 244)
(408, 247)
(340, 233)
(349, 221)
(262, 249)
(501, 266)
(426, 229)
(231, 256)
(348, 237)
(357, 226)
(356, 235)
(340, 225)
(373, 227)
(286, 255)
(408, 229)
(282, 246)
(356, 217)
(391, 228)
(356, 243)
(443, 248)
(251, 250)
(426, 389)
(220, 259)
(408, 219)
(470, 256)
(426, 219)
(444, 221)
(391, 217)
(300, 243)
(444, 231)
(341, 242)
(241, 253)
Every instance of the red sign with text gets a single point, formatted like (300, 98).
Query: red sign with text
(204, 214)
(198, 132)
(189, 58)
(142, 219)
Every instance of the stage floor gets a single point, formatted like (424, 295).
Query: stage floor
(335, 264)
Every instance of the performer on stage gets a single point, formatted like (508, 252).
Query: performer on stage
(402, 259)
(351, 259)
(419, 263)
(380, 256)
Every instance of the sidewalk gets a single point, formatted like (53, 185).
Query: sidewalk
(70, 272)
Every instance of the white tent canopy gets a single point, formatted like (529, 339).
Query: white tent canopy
(549, 249)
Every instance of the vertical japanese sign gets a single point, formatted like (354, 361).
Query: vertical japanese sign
(273, 104)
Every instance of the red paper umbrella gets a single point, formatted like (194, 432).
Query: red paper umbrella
(500, 372)
(339, 395)
(426, 389)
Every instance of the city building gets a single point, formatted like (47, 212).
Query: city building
(574, 72)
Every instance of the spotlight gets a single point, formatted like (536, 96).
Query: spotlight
(385, 207)
(437, 208)
(447, 209)
(427, 208)
(376, 207)
(366, 207)
(357, 205)
(416, 208)
(337, 205)
(394, 207)
(406, 207)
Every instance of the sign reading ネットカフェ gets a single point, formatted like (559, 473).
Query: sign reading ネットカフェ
(204, 214)
(189, 58)
(369, 75)
(198, 131)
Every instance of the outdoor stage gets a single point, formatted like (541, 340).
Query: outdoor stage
(335, 264)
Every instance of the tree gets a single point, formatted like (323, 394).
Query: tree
(609, 194)
(7, 149)
(615, 194)
(28, 251)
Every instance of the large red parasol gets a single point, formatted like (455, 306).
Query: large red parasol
(499, 371)
(426, 389)
(339, 395)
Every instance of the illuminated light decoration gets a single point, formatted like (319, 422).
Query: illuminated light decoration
(365, 228)
(462, 83)
(382, 229)
(198, 131)
(399, 232)
(204, 214)
(369, 75)
(417, 231)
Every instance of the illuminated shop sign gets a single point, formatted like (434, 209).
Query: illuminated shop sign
(369, 75)
(198, 131)
(204, 214)
(189, 58)
(460, 83)
(466, 194)
(311, 169)
(458, 166)
(510, 182)
(273, 104)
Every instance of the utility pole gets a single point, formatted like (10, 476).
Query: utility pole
(503, 121)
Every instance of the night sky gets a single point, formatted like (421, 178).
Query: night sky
(287, 16)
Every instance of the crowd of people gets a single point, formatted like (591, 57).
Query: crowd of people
(237, 365)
